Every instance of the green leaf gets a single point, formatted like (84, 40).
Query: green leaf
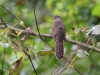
(44, 52)
(96, 10)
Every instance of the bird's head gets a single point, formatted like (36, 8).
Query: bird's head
(57, 18)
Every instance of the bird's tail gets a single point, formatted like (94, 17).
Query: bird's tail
(59, 49)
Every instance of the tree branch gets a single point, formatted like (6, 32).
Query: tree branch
(49, 36)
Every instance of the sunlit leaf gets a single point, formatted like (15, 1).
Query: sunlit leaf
(44, 52)
(5, 29)
(19, 32)
(96, 11)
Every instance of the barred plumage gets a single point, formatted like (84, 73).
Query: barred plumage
(58, 34)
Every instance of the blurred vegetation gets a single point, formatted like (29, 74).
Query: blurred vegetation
(75, 14)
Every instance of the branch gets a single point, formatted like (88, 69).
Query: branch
(49, 36)
(30, 61)
(28, 55)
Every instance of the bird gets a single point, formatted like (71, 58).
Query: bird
(58, 34)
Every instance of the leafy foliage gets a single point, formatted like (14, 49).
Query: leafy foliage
(76, 15)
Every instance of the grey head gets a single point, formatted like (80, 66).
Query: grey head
(57, 18)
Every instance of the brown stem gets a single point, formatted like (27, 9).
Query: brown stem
(66, 40)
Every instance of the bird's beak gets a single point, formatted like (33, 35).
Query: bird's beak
(52, 18)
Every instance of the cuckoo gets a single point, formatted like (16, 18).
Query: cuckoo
(58, 34)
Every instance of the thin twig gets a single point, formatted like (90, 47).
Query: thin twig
(10, 12)
(45, 65)
(28, 57)
(77, 70)
(67, 60)
(39, 31)
(3, 22)
(31, 61)
(36, 22)
(3, 58)
(41, 38)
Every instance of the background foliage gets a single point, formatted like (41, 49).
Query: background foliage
(75, 13)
